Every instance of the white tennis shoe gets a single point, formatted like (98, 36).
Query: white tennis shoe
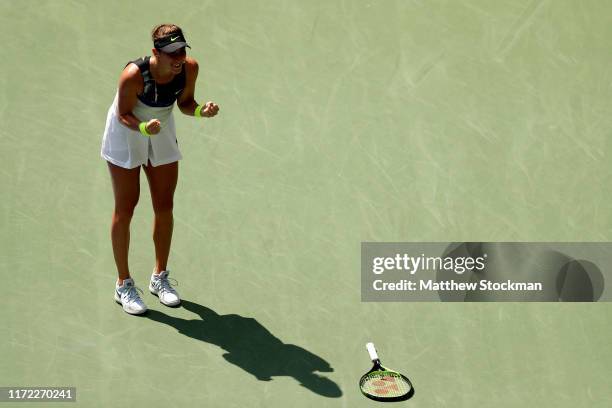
(160, 287)
(127, 296)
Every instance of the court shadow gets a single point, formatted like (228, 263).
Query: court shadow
(253, 348)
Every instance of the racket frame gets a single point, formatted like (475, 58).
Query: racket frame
(377, 367)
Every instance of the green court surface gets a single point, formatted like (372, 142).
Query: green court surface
(341, 122)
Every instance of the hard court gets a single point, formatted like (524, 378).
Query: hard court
(341, 122)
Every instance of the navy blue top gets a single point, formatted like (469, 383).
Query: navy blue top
(158, 95)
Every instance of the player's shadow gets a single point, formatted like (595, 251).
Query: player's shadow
(253, 348)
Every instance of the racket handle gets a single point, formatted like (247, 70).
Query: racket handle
(372, 351)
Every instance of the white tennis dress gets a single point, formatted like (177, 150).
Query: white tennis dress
(129, 148)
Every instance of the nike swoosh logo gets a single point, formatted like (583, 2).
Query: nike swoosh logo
(178, 92)
(174, 38)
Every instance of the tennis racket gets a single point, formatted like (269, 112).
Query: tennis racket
(383, 384)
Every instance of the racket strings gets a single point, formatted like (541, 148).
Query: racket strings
(385, 384)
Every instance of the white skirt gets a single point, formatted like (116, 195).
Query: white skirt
(129, 148)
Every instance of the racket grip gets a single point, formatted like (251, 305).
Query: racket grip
(372, 351)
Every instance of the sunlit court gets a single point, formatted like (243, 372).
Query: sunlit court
(332, 124)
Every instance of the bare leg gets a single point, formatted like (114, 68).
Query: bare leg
(126, 188)
(162, 183)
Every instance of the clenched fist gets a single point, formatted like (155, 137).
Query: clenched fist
(153, 126)
(210, 109)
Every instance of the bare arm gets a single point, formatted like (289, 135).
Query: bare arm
(186, 101)
(130, 85)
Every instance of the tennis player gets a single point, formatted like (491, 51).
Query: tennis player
(140, 132)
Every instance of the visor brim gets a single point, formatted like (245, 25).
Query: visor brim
(174, 46)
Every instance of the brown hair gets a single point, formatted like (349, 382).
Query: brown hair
(164, 30)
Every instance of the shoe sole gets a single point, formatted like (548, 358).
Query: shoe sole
(152, 290)
(118, 300)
